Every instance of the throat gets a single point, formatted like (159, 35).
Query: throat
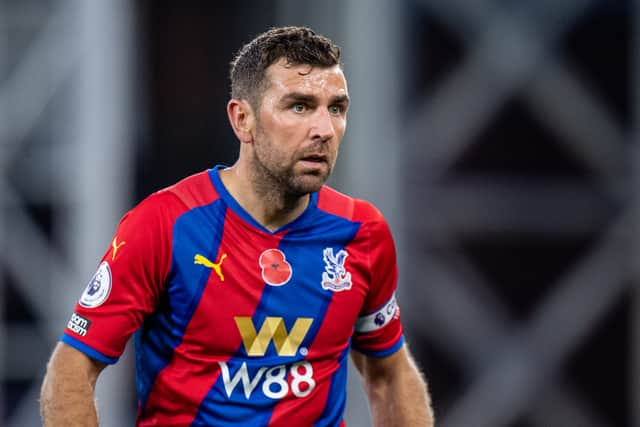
(276, 210)
(263, 200)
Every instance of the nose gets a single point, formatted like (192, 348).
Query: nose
(322, 128)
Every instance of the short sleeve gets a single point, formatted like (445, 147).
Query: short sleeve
(378, 331)
(128, 282)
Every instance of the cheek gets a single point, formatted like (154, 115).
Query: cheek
(283, 130)
(339, 128)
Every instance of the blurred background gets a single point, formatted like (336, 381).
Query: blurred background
(498, 137)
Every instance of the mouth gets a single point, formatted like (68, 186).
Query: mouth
(315, 158)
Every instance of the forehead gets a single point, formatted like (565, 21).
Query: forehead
(320, 81)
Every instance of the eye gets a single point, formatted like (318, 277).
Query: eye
(336, 109)
(299, 107)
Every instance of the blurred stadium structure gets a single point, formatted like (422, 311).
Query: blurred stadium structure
(500, 138)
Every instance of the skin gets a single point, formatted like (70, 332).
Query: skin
(288, 149)
(66, 396)
(303, 111)
(396, 390)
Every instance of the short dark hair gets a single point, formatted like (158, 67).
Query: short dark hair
(298, 45)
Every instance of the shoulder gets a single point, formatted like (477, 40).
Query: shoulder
(170, 202)
(193, 191)
(351, 208)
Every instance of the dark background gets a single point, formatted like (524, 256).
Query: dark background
(182, 51)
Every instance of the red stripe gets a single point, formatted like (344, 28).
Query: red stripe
(195, 190)
(330, 342)
(211, 335)
(141, 266)
(335, 203)
(292, 410)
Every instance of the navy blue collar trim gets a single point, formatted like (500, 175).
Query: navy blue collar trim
(235, 206)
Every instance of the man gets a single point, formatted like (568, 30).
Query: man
(250, 285)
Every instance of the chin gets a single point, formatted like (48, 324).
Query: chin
(308, 184)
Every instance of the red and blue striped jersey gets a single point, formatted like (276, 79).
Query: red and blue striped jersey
(236, 325)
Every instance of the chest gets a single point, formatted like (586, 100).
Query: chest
(239, 290)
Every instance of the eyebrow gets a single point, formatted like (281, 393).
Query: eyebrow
(298, 97)
(301, 97)
(341, 99)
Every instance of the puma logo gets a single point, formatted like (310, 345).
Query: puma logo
(115, 245)
(217, 266)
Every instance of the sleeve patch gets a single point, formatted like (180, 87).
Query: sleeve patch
(78, 324)
(99, 287)
(379, 318)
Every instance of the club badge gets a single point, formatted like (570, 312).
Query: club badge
(335, 277)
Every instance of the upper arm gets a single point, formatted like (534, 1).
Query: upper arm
(396, 389)
(378, 330)
(67, 363)
(67, 393)
(128, 283)
(381, 369)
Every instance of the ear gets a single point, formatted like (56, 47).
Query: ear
(242, 119)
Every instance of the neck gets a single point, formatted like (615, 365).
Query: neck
(262, 199)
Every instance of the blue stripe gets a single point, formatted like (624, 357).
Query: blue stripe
(94, 354)
(217, 409)
(235, 206)
(302, 296)
(196, 231)
(383, 353)
(336, 399)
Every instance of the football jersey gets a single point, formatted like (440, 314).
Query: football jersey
(237, 325)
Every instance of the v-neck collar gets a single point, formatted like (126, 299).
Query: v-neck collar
(233, 204)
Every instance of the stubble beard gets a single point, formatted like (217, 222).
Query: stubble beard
(275, 178)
